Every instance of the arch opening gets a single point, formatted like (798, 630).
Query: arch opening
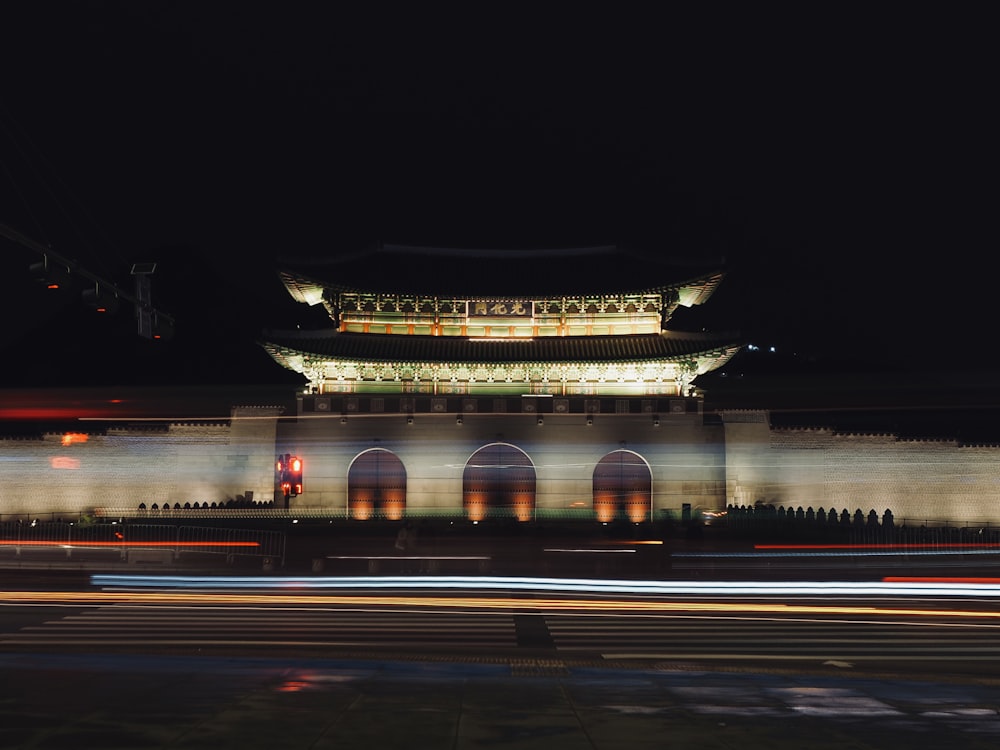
(376, 486)
(623, 488)
(498, 481)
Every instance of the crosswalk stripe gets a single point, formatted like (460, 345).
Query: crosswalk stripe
(627, 637)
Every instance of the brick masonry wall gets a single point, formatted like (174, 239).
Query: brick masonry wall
(122, 468)
(685, 457)
(918, 480)
(689, 462)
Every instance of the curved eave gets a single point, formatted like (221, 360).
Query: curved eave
(709, 361)
(293, 348)
(690, 292)
(302, 289)
(697, 291)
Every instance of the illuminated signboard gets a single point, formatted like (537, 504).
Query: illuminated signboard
(499, 308)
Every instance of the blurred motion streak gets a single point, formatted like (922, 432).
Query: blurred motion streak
(940, 579)
(917, 546)
(118, 543)
(559, 585)
(641, 607)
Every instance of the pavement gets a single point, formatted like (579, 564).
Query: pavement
(380, 701)
(215, 702)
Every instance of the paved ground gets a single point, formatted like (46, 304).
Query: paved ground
(56, 701)
(127, 701)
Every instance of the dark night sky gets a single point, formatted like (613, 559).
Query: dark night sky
(843, 166)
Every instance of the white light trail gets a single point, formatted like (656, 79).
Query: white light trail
(566, 585)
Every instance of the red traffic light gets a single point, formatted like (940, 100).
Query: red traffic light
(288, 473)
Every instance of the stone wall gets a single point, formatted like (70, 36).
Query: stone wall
(917, 480)
(75, 473)
(739, 462)
(685, 457)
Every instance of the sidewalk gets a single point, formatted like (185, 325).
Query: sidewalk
(91, 701)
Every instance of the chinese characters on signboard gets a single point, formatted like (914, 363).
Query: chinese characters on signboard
(499, 308)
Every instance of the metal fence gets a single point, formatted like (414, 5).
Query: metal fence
(795, 524)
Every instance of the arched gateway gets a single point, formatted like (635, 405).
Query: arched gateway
(622, 482)
(499, 479)
(376, 486)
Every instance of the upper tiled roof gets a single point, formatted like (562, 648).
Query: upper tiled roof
(381, 347)
(398, 269)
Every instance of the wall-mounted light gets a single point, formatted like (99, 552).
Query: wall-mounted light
(656, 421)
(590, 421)
(409, 420)
(540, 421)
(458, 419)
(343, 420)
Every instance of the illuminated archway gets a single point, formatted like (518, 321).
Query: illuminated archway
(623, 483)
(499, 480)
(376, 486)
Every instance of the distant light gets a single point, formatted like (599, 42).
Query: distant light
(771, 349)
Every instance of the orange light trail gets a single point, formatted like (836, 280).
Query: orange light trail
(638, 541)
(649, 608)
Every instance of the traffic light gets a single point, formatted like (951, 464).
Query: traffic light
(280, 475)
(288, 471)
(100, 300)
(295, 475)
(50, 274)
(163, 327)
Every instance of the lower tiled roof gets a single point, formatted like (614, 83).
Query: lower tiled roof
(386, 347)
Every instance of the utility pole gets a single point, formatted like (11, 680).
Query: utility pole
(152, 323)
